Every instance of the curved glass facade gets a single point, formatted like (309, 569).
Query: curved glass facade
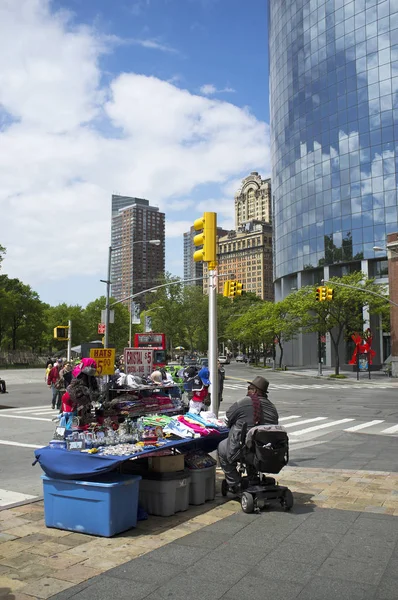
(334, 129)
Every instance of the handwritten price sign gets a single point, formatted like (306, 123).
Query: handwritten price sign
(105, 359)
(137, 361)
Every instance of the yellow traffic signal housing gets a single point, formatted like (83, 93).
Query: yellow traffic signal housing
(323, 293)
(232, 288)
(318, 294)
(329, 294)
(207, 238)
(226, 288)
(61, 332)
(239, 288)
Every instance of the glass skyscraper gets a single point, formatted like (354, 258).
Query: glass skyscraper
(334, 136)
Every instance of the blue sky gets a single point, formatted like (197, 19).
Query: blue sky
(164, 99)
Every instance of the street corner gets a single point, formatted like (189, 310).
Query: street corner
(345, 489)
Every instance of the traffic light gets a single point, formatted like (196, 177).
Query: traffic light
(323, 293)
(318, 294)
(226, 288)
(239, 288)
(207, 238)
(329, 294)
(61, 332)
(232, 288)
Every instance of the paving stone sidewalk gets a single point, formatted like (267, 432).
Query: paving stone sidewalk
(340, 541)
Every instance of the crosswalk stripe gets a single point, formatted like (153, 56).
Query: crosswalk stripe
(23, 417)
(19, 444)
(8, 497)
(306, 421)
(322, 426)
(26, 408)
(393, 429)
(364, 425)
(288, 418)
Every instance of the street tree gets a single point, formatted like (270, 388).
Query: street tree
(342, 316)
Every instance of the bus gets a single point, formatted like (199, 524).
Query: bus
(154, 341)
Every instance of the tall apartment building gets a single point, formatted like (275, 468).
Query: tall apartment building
(334, 142)
(136, 264)
(253, 200)
(194, 269)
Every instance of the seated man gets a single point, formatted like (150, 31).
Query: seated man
(3, 389)
(254, 409)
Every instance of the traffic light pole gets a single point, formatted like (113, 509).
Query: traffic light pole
(213, 348)
(69, 350)
(319, 354)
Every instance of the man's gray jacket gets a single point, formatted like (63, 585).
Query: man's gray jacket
(242, 412)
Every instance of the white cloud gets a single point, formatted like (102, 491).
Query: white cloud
(67, 143)
(208, 89)
(153, 45)
(176, 229)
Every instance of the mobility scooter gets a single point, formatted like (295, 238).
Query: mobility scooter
(263, 449)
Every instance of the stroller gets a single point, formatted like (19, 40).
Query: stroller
(263, 449)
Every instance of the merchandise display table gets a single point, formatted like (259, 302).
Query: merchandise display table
(64, 464)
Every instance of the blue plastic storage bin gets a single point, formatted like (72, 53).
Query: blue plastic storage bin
(104, 506)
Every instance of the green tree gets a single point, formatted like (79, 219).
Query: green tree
(118, 331)
(22, 315)
(342, 316)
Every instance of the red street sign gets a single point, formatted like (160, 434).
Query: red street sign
(101, 327)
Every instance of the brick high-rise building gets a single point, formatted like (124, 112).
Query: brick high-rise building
(136, 264)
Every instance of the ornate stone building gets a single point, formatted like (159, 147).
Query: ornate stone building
(253, 200)
(245, 254)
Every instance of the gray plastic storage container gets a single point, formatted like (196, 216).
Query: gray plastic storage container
(164, 494)
(203, 485)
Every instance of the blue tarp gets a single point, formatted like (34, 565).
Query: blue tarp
(63, 464)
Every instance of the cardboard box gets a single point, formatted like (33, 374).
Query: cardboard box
(166, 464)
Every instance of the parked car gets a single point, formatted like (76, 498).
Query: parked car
(204, 362)
(241, 358)
(223, 360)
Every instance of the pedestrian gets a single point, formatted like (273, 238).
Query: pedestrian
(48, 369)
(254, 409)
(66, 373)
(54, 381)
(221, 377)
(3, 387)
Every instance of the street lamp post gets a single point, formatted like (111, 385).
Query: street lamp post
(108, 282)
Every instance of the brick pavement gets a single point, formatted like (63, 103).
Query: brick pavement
(38, 563)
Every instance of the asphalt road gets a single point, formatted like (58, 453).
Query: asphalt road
(317, 414)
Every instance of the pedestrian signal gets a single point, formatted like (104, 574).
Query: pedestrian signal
(61, 332)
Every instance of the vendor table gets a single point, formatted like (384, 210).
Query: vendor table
(70, 464)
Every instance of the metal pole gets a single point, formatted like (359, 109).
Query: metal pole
(213, 350)
(131, 319)
(107, 307)
(319, 354)
(69, 351)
